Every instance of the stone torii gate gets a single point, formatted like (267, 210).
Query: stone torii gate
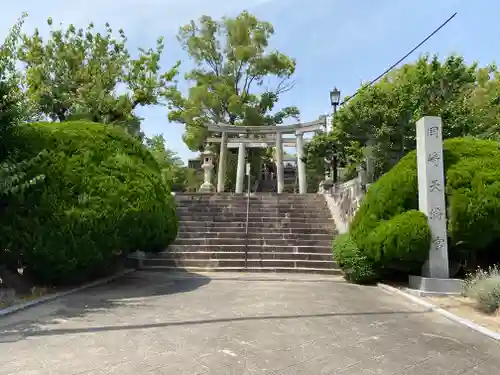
(273, 136)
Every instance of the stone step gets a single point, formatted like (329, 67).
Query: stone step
(291, 199)
(239, 263)
(198, 207)
(257, 235)
(204, 255)
(242, 241)
(294, 214)
(253, 215)
(237, 211)
(283, 227)
(321, 271)
(252, 203)
(251, 248)
(201, 227)
(284, 233)
(253, 219)
(209, 207)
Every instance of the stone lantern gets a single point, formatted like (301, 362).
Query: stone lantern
(207, 159)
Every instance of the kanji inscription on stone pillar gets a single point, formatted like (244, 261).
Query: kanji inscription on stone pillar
(431, 197)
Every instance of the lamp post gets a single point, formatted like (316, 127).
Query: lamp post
(334, 101)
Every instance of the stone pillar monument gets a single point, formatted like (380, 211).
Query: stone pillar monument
(431, 201)
(301, 167)
(208, 166)
(221, 175)
(278, 158)
(240, 172)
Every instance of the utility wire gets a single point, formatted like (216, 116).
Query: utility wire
(400, 60)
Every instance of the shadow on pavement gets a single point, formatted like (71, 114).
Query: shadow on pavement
(127, 290)
(14, 336)
(131, 289)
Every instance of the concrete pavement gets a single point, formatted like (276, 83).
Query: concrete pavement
(147, 323)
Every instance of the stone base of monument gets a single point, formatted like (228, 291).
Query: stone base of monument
(431, 286)
(207, 188)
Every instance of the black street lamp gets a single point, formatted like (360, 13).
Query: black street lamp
(335, 101)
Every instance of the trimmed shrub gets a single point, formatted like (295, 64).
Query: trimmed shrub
(484, 287)
(103, 196)
(401, 243)
(356, 266)
(394, 193)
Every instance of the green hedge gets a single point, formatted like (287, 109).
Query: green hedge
(393, 236)
(356, 266)
(103, 197)
(401, 243)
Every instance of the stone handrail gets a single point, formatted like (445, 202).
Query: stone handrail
(344, 200)
(348, 197)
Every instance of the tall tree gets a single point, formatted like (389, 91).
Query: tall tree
(236, 79)
(81, 74)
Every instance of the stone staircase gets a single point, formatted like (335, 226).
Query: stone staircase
(286, 233)
(271, 186)
(267, 186)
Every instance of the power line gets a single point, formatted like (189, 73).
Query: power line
(401, 59)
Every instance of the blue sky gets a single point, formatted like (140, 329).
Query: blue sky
(335, 42)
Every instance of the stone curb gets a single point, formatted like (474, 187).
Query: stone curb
(430, 307)
(216, 276)
(15, 308)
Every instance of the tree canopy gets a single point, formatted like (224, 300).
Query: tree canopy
(385, 113)
(14, 108)
(13, 105)
(321, 150)
(83, 74)
(232, 81)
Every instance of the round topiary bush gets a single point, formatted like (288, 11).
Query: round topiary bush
(102, 197)
(386, 230)
(400, 243)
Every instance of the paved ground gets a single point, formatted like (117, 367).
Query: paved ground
(148, 324)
